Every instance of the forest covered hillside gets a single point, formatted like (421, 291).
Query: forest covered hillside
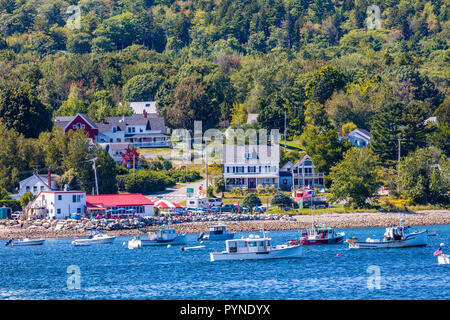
(376, 65)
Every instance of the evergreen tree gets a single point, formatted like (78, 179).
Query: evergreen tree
(386, 130)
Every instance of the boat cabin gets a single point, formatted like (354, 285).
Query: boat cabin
(318, 233)
(218, 230)
(249, 245)
(395, 233)
(162, 234)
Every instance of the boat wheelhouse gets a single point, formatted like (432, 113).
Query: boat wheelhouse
(255, 248)
(318, 235)
(217, 232)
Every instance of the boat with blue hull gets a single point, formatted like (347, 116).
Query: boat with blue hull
(216, 232)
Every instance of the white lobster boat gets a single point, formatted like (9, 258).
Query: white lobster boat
(256, 248)
(394, 237)
(159, 237)
(217, 232)
(96, 237)
(25, 242)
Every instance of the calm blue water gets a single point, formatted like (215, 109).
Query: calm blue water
(115, 272)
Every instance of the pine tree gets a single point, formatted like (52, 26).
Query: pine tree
(386, 130)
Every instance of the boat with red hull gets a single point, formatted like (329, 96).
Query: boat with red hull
(318, 235)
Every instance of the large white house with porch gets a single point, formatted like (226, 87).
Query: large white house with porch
(251, 165)
(57, 204)
(304, 174)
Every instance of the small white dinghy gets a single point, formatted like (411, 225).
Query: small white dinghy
(96, 237)
(256, 248)
(25, 242)
(442, 258)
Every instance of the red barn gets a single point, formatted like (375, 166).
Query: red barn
(80, 121)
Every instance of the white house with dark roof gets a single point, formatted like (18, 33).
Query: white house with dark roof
(37, 183)
(251, 165)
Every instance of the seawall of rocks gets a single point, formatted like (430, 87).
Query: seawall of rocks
(197, 224)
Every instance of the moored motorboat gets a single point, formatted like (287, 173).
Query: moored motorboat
(159, 237)
(255, 248)
(394, 237)
(24, 242)
(217, 232)
(96, 237)
(318, 235)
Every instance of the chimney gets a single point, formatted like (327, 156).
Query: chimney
(49, 178)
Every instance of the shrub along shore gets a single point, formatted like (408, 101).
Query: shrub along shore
(235, 223)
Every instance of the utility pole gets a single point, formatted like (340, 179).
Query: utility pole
(187, 154)
(94, 166)
(398, 164)
(206, 164)
(134, 166)
(284, 131)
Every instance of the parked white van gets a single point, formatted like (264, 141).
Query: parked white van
(214, 202)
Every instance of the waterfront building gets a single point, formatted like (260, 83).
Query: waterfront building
(57, 204)
(119, 205)
(251, 165)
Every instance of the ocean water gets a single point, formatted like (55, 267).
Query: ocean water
(115, 272)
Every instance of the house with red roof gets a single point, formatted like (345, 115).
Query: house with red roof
(119, 205)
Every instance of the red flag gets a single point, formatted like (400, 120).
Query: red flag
(437, 252)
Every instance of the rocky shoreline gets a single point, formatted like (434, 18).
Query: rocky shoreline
(235, 222)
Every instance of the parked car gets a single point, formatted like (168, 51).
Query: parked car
(215, 202)
(15, 215)
(260, 209)
(214, 209)
(231, 208)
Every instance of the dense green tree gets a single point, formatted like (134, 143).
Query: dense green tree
(251, 200)
(189, 103)
(142, 87)
(21, 109)
(386, 130)
(423, 176)
(355, 178)
(281, 200)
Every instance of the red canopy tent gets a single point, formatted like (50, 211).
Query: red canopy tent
(165, 204)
